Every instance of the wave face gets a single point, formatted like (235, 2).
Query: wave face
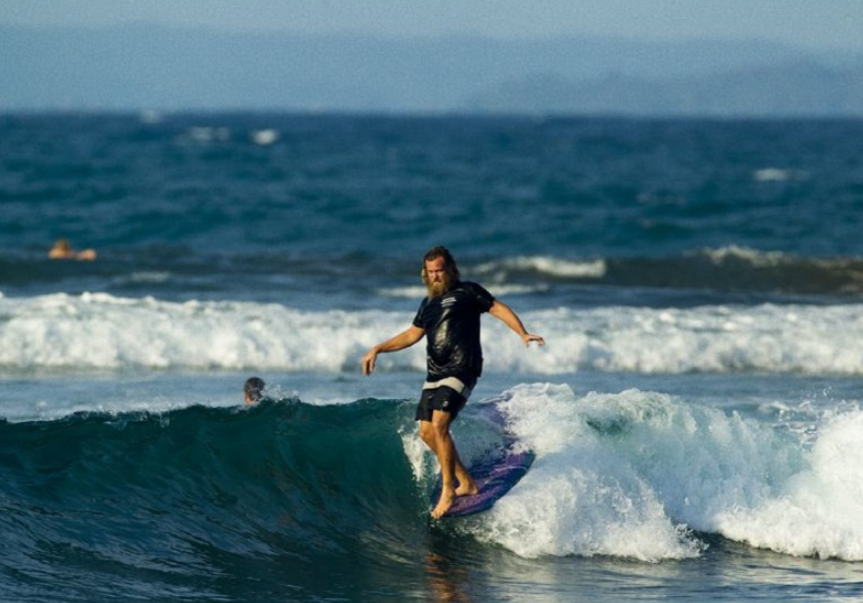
(315, 498)
(153, 502)
(100, 331)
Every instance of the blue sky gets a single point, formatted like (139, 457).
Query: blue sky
(820, 24)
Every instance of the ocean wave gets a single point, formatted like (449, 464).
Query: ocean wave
(773, 174)
(634, 474)
(817, 511)
(175, 498)
(731, 268)
(715, 275)
(639, 474)
(545, 265)
(105, 332)
(179, 273)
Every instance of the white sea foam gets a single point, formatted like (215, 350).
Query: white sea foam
(100, 331)
(581, 497)
(818, 511)
(548, 265)
(630, 474)
(205, 135)
(763, 259)
(773, 174)
(264, 137)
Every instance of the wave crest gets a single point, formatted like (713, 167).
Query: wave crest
(99, 331)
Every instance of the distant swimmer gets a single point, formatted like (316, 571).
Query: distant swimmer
(450, 318)
(62, 250)
(253, 390)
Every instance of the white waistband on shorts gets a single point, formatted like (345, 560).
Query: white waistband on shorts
(454, 383)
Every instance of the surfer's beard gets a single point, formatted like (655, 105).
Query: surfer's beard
(440, 287)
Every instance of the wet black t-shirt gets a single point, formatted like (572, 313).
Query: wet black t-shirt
(451, 323)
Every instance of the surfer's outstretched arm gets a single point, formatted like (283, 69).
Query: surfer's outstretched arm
(506, 315)
(403, 340)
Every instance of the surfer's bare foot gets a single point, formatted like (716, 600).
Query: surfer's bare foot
(443, 505)
(468, 489)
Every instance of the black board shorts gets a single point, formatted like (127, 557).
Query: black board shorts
(441, 398)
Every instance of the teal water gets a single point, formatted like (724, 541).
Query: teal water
(695, 414)
(307, 502)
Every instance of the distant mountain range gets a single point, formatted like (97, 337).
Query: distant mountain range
(141, 66)
(792, 89)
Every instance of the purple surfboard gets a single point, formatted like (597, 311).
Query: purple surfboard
(494, 477)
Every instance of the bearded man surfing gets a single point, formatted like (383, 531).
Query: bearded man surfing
(449, 318)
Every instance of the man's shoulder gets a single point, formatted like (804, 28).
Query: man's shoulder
(477, 294)
(473, 287)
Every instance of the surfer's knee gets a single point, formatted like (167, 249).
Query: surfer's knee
(440, 422)
(427, 433)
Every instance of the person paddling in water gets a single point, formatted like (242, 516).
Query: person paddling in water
(253, 390)
(449, 318)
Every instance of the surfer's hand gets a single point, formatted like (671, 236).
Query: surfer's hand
(529, 337)
(369, 361)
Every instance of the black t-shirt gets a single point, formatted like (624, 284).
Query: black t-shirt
(451, 323)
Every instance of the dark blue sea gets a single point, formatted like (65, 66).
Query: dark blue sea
(696, 414)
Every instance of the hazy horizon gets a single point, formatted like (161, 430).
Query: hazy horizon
(825, 26)
(757, 57)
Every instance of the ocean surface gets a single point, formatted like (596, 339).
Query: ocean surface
(696, 414)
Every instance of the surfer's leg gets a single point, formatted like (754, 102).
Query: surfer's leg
(427, 435)
(444, 448)
(466, 485)
(434, 431)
